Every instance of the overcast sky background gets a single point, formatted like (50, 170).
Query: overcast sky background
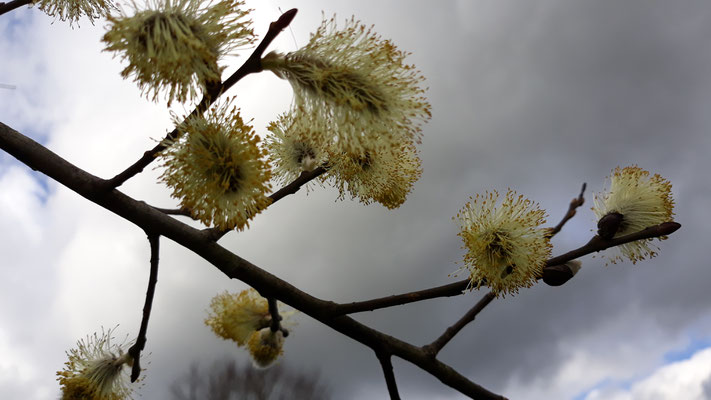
(539, 96)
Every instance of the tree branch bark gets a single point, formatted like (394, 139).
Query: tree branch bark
(11, 5)
(275, 323)
(135, 350)
(574, 204)
(291, 188)
(387, 365)
(598, 244)
(434, 348)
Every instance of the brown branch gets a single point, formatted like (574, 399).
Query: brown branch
(294, 186)
(135, 350)
(291, 188)
(275, 323)
(387, 365)
(454, 289)
(378, 340)
(574, 204)
(433, 348)
(41, 159)
(448, 290)
(598, 244)
(251, 65)
(254, 62)
(11, 5)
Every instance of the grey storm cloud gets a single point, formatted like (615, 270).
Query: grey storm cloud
(536, 96)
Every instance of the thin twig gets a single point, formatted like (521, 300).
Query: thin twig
(11, 5)
(251, 65)
(293, 187)
(435, 347)
(275, 323)
(135, 350)
(574, 204)
(448, 290)
(454, 289)
(387, 365)
(597, 243)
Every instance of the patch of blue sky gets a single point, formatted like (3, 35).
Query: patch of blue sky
(43, 181)
(609, 383)
(13, 23)
(35, 128)
(15, 95)
(599, 385)
(22, 120)
(40, 179)
(13, 27)
(694, 345)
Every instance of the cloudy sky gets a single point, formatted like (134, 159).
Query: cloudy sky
(538, 96)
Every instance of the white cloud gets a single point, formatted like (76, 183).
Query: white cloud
(18, 373)
(688, 379)
(21, 204)
(619, 349)
(68, 267)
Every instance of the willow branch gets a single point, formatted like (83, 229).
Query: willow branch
(135, 350)
(574, 204)
(454, 289)
(254, 62)
(433, 348)
(291, 188)
(448, 290)
(251, 65)
(598, 244)
(11, 5)
(387, 365)
(275, 323)
(144, 216)
(294, 186)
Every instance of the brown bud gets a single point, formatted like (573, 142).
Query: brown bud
(559, 274)
(608, 225)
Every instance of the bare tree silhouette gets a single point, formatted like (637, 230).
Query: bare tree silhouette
(229, 380)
